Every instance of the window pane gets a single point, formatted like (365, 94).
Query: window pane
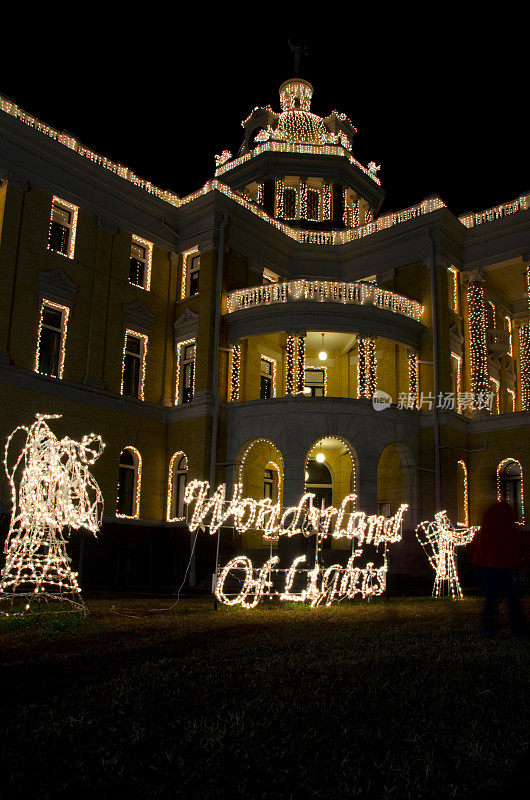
(126, 491)
(136, 272)
(266, 367)
(131, 376)
(58, 240)
(187, 389)
(52, 317)
(265, 388)
(194, 282)
(50, 345)
(132, 344)
(189, 352)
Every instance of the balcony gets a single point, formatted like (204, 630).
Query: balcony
(361, 307)
(360, 293)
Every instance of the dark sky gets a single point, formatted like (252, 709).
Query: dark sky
(441, 103)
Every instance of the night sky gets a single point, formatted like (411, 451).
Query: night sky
(440, 103)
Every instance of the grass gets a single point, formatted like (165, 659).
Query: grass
(388, 699)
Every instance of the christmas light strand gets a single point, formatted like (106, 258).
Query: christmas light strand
(504, 463)
(235, 373)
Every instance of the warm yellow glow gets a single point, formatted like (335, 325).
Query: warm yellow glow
(137, 484)
(322, 355)
(65, 311)
(320, 457)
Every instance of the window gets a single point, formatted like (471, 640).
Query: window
(133, 370)
(140, 263)
(51, 339)
(178, 475)
(313, 203)
(510, 486)
(195, 265)
(185, 383)
(63, 224)
(289, 202)
(267, 378)
(268, 484)
(318, 480)
(315, 382)
(511, 400)
(191, 262)
(129, 482)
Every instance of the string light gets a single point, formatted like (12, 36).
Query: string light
(465, 490)
(500, 469)
(235, 373)
(496, 392)
(413, 378)
(137, 458)
(290, 347)
(323, 291)
(524, 351)
(366, 367)
(453, 291)
(278, 455)
(439, 539)
(508, 327)
(55, 492)
(300, 364)
(458, 361)
(65, 313)
(478, 346)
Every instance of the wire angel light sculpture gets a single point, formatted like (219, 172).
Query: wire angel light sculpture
(52, 491)
(439, 539)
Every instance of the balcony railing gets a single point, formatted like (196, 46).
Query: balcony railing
(360, 293)
(499, 340)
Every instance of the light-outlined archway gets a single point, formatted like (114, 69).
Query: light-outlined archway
(341, 459)
(254, 458)
(397, 481)
(510, 485)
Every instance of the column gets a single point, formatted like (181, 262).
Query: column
(478, 346)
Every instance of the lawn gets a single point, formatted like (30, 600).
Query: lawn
(382, 699)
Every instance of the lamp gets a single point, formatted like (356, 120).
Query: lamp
(322, 355)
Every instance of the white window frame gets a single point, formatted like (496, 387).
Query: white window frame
(137, 486)
(72, 225)
(324, 384)
(187, 257)
(65, 313)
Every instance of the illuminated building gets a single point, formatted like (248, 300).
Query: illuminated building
(239, 334)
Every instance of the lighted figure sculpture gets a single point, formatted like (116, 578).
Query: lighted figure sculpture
(439, 539)
(52, 491)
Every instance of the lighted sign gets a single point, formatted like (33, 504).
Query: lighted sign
(320, 584)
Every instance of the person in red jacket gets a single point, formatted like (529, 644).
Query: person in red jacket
(498, 551)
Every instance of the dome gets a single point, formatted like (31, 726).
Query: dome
(302, 126)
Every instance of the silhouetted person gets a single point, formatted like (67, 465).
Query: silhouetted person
(498, 551)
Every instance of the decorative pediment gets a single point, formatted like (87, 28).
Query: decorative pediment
(137, 317)
(56, 285)
(186, 326)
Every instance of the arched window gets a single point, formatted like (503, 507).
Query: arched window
(178, 476)
(462, 491)
(129, 483)
(271, 482)
(318, 480)
(510, 486)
